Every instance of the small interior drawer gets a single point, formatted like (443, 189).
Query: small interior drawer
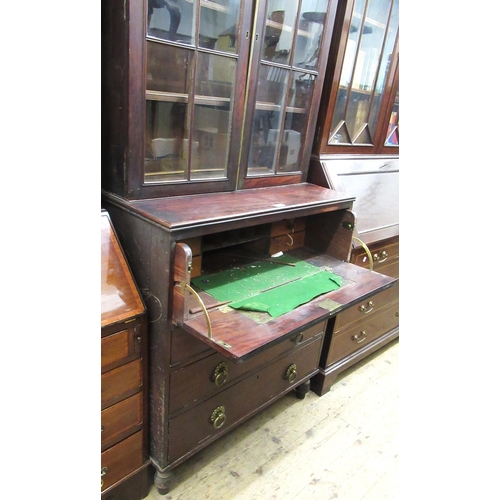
(121, 417)
(352, 338)
(369, 307)
(121, 382)
(121, 459)
(215, 373)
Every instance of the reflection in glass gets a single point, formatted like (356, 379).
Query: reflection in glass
(214, 86)
(265, 135)
(168, 68)
(171, 20)
(310, 30)
(167, 142)
(372, 38)
(392, 137)
(278, 38)
(218, 20)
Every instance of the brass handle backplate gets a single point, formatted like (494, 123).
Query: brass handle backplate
(382, 258)
(218, 417)
(366, 308)
(360, 337)
(291, 373)
(104, 471)
(220, 374)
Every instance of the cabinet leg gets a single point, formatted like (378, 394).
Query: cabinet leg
(162, 481)
(302, 389)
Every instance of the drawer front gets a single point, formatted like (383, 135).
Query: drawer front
(385, 256)
(114, 348)
(185, 346)
(350, 339)
(121, 382)
(214, 373)
(121, 417)
(190, 429)
(121, 459)
(369, 307)
(123, 344)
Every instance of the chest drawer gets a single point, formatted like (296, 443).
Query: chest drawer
(192, 428)
(369, 307)
(123, 345)
(121, 418)
(121, 459)
(121, 382)
(385, 255)
(216, 372)
(350, 339)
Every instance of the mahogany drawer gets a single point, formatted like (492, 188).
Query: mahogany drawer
(361, 333)
(121, 382)
(369, 307)
(121, 459)
(192, 428)
(215, 372)
(121, 417)
(184, 346)
(122, 346)
(385, 255)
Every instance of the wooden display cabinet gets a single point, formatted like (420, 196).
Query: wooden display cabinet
(209, 96)
(359, 112)
(124, 424)
(212, 365)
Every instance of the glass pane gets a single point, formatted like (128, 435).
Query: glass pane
(171, 20)
(218, 25)
(166, 141)
(311, 26)
(267, 122)
(392, 138)
(372, 36)
(278, 38)
(214, 86)
(300, 93)
(295, 124)
(168, 68)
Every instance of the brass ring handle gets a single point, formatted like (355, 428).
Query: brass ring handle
(203, 308)
(367, 250)
(221, 373)
(298, 339)
(218, 417)
(359, 338)
(291, 373)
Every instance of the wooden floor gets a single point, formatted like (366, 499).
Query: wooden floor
(343, 445)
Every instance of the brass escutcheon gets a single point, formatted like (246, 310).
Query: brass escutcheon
(218, 417)
(220, 374)
(291, 373)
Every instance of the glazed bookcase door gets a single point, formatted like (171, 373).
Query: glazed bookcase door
(207, 96)
(364, 77)
(195, 56)
(288, 56)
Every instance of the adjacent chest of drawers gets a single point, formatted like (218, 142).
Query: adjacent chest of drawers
(367, 326)
(124, 450)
